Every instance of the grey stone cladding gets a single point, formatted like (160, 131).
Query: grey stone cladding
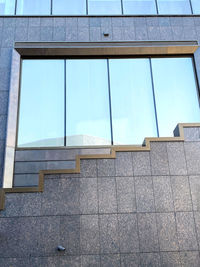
(111, 214)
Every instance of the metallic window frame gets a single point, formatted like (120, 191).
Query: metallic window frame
(80, 49)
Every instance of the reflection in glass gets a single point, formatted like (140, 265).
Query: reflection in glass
(104, 7)
(33, 7)
(133, 114)
(196, 6)
(174, 7)
(69, 7)
(175, 93)
(41, 117)
(7, 7)
(139, 7)
(87, 102)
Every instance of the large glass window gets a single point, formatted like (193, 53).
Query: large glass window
(69, 7)
(104, 7)
(139, 7)
(7, 7)
(36, 7)
(174, 7)
(77, 102)
(196, 6)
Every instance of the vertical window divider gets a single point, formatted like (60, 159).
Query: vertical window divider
(154, 99)
(122, 7)
(191, 6)
(86, 2)
(156, 6)
(110, 107)
(51, 8)
(15, 7)
(65, 107)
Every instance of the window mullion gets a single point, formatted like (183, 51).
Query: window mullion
(65, 108)
(110, 106)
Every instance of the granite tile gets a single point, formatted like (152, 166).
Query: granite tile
(189, 32)
(159, 158)
(186, 231)
(166, 33)
(152, 21)
(59, 33)
(140, 21)
(15, 262)
(150, 260)
(5, 57)
(117, 21)
(192, 152)
(170, 259)
(178, 32)
(90, 261)
(190, 258)
(88, 196)
(176, 21)
(128, 233)
(181, 193)
(117, 33)
(88, 168)
(167, 232)
(95, 34)
(95, 22)
(83, 34)
(72, 22)
(144, 194)
(71, 32)
(70, 234)
(83, 22)
(123, 164)
(141, 163)
(47, 22)
(128, 260)
(191, 134)
(4, 79)
(126, 194)
(128, 33)
(148, 234)
(197, 224)
(105, 167)
(153, 32)
(43, 261)
(128, 21)
(34, 22)
(33, 33)
(176, 158)
(3, 103)
(57, 22)
(3, 123)
(164, 21)
(141, 33)
(163, 193)
(9, 22)
(110, 260)
(195, 189)
(89, 240)
(109, 241)
(21, 34)
(69, 261)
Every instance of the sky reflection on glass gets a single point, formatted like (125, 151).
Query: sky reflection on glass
(196, 6)
(139, 7)
(36, 7)
(105, 7)
(69, 7)
(174, 7)
(7, 7)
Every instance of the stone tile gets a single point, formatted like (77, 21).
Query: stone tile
(186, 231)
(164, 21)
(46, 22)
(166, 33)
(71, 33)
(34, 22)
(190, 258)
(123, 164)
(170, 259)
(197, 223)
(141, 33)
(167, 232)
(59, 33)
(70, 234)
(109, 241)
(44, 261)
(192, 152)
(21, 34)
(89, 234)
(144, 194)
(83, 22)
(150, 260)
(110, 260)
(46, 34)
(88, 168)
(176, 21)
(61, 196)
(159, 158)
(70, 261)
(189, 32)
(191, 134)
(90, 261)
(128, 233)
(117, 33)
(181, 193)
(178, 33)
(152, 21)
(140, 21)
(33, 33)
(95, 34)
(148, 234)
(128, 260)
(83, 34)
(126, 194)
(16, 262)
(141, 163)
(4, 79)
(3, 103)
(8, 36)
(57, 22)
(163, 194)
(9, 22)
(117, 21)
(153, 32)
(176, 158)
(128, 33)
(105, 167)
(5, 57)
(95, 22)
(195, 189)
(107, 195)
(3, 122)
(88, 196)
(72, 22)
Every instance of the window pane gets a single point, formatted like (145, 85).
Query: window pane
(33, 7)
(174, 7)
(69, 7)
(175, 92)
(7, 7)
(104, 7)
(196, 6)
(139, 7)
(133, 113)
(41, 117)
(87, 102)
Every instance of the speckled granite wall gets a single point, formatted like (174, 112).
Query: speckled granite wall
(140, 209)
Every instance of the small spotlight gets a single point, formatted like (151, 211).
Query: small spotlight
(106, 34)
(60, 248)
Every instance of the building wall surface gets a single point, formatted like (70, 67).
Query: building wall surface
(140, 209)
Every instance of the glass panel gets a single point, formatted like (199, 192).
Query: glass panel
(196, 6)
(7, 7)
(139, 7)
(174, 7)
(33, 7)
(104, 7)
(87, 102)
(175, 93)
(133, 113)
(69, 7)
(41, 116)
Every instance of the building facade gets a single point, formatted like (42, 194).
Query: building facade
(95, 189)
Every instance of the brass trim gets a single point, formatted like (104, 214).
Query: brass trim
(179, 132)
